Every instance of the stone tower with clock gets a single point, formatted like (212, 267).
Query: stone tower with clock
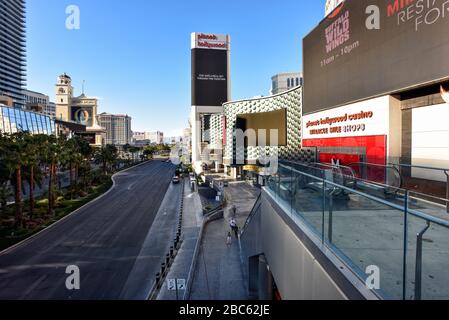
(64, 94)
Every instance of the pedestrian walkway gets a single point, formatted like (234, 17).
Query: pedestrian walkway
(219, 274)
(191, 226)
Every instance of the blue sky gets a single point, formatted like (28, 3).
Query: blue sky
(135, 55)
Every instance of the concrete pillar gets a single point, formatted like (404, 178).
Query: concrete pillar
(234, 173)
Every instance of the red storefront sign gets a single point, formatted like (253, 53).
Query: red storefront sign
(375, 148)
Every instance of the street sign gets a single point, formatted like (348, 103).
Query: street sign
(176, 284)
(181, 284)
(171, 284)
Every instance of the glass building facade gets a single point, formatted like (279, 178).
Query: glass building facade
(13, 120)
(12, 50)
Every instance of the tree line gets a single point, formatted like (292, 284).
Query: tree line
(37, 158)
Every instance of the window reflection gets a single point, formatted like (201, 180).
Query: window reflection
(13, 120)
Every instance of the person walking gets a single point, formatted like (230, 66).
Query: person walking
(229, 239)
(234, 227)
(234, 211)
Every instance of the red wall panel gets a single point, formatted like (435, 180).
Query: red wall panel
(376, 147)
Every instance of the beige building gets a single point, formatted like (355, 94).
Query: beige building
(283, 82)
(118, 128)
(82, 110)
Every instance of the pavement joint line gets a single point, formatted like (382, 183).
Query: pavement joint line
(21, 243)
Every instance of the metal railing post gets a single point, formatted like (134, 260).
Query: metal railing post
(447, 191)
(404, 260)
(418, 270)
(323, 237)
(331, 216)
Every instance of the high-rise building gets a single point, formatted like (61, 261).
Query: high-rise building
(40, 103)
(118, 128)
(156, 137)
(285, 81)
(138, 136)
(12, 50)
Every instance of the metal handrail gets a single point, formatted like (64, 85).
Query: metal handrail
(256, 206)
(446, 172)
(429, 219)
(416, 213)
(309, 166)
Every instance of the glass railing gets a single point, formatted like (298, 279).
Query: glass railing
(405, 238)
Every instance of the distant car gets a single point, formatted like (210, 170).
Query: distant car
(176, 180)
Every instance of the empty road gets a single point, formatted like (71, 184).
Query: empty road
(103, 239)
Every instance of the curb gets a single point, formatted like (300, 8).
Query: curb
(21, 243)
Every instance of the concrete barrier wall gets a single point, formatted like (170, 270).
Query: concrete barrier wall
(299, 268)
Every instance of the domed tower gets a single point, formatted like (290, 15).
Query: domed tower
(64, 94)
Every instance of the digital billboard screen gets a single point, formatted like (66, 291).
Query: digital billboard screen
(209, 77)
(365, 49)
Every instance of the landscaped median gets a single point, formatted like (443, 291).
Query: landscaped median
(67, 202)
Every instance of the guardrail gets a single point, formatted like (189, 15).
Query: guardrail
(253, 212)
(391, 218)
(444, 170)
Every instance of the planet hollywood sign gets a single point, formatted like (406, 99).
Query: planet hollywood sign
(211, 41)
(345, 120)
(366, 118)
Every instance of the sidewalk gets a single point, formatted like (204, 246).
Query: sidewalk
(191, 225)
(218, 273)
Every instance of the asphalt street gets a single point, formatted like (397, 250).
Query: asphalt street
(103, 240)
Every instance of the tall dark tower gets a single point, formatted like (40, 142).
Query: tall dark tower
(211, 87)
(12, 50)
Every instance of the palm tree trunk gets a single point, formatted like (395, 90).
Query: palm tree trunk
(18, 196)
(71, 174)
(50, 191)
(55, 183)
(71, 180)
(31, 191)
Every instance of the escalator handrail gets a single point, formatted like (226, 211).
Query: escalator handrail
(389, 166)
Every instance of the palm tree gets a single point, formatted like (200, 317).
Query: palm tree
(5, 193)
(149, 151)
(133, 151)
(106, 155)
(84, 164)
(83, 155)
(51, 150)
(32, 161)
(13, 155)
